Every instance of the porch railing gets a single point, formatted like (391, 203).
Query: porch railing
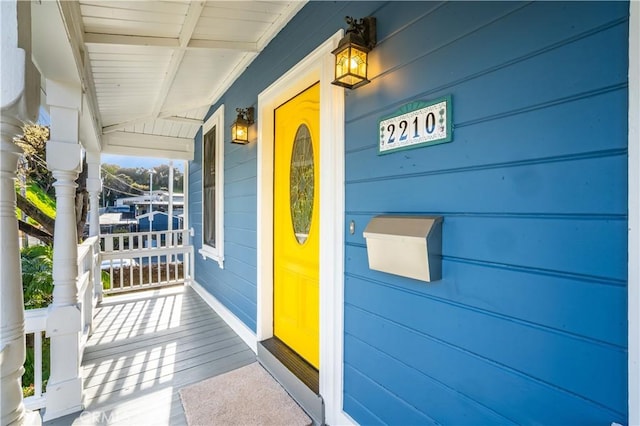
(141, 260)
(35, 324)
(130, 261)
(87, 282)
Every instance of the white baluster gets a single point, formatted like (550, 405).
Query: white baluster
(94, 187)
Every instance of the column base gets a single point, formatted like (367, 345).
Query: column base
(15, 417)
(32, 418)
(63, 398)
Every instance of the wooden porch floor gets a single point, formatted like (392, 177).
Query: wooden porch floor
(145, 347)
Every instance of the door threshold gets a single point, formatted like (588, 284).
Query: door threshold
(294, 363)
(297, 376)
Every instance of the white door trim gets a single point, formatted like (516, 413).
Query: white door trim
(634, 213)
(317, 66)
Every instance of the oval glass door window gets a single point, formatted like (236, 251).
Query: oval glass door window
(301, 183)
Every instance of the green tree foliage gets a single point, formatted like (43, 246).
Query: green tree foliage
(37, 285)
(116, 183)
(34, 167)
(34, 170)
(41, 199)
(40, 211)
(37, 279)
(119, 182)
(161, 178)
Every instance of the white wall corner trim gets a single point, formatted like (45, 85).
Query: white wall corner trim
(316, 66)
(634, 214)
(245, 333)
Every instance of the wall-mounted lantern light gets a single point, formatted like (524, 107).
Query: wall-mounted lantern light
(240, 127)
(352, 51)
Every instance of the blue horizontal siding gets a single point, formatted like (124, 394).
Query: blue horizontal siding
(240, 187)
(586, 309)
(241, 204)
(532, 304)
(561, 187)
(247, 220)
(566, 361)
(238, 172)
(515, 396)
(358, 410)
(476, 28)
(418, 389)
(396, 410)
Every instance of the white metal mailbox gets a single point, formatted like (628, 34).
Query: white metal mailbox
(409, 246)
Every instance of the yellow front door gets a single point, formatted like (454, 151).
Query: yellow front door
(296, 225)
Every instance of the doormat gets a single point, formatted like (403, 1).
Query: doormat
(242, 397)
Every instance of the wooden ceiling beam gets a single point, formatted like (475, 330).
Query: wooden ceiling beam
(168, 42)
(185, 120)
(124, 143)
(148, 118)
(130, 40)
(243, 46)
(188, 27)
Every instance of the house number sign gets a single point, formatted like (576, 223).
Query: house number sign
(416, 124)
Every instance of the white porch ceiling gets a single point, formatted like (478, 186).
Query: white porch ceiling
(152, 68)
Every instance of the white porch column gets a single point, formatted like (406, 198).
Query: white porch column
(12, 343)
(19, 100)
(94, 187)
(64, 154)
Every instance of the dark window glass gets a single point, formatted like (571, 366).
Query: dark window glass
(209, 188)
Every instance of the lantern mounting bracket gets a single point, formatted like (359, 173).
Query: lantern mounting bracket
(365, 28)
(246, 114)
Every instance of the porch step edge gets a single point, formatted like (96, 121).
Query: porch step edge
(311, 403)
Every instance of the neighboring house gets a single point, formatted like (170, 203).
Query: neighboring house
(117, 222)
(159, 221)
(536, 316)
(112, 220)
(122, 218)
(125, 211)
(157, 197)
(159, 200)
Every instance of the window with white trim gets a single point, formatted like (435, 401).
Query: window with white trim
(212, 187)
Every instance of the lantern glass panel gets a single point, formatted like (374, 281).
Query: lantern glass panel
(351, 66)
(342, 63)
(240, 132)
(358, 62)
